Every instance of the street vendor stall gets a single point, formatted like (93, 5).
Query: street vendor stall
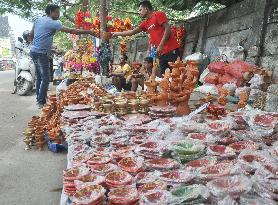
(134, 149)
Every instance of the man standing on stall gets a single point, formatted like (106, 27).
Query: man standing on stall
(42, 34)
(156, 24)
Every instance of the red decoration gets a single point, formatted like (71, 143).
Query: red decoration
(79, 19)
(87, 25)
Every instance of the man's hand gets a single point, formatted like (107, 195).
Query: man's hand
(159, 49)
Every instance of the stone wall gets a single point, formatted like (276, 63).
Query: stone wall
(252, 24)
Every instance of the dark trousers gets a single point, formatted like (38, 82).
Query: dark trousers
(167, 57)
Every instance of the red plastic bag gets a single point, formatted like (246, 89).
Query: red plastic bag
(212, 78)
(225, 79)
(238, 68)
(217, 67)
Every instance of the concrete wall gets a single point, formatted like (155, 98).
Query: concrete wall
(252, 24)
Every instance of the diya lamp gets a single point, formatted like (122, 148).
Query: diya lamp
(121, 105)
(223, 97)
(144, 105)
(107, 107)
(134, 106)
(28, 139)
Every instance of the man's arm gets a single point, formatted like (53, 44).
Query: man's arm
(166, 36)
(127, 33)
(76, 31)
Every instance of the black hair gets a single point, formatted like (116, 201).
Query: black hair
(148, 59)
(125, 57)
(50, 8)
(146, 4)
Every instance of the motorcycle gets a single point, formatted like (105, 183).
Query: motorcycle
(25, 69)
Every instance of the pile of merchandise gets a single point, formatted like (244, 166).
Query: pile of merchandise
(237, 76)
(170, 160)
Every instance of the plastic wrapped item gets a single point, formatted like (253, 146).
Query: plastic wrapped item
(255, 93)
(150, 149)
(217, 67)
(256, 82)
(230, 185)
(251, 199)
(220, 151)
(204, 138)
(147, 177)
(188, 150)
(122, 152)
(238, 68)
(177, 177)
(242, 89)
(161, 164)
(212, 78)
(151, 186)
(217, 170)
(265, 184)
(219, 127)
(98, 160)
(231, 87)
(103, 169)
(244, 145)
(124, 195)
(155, 197)
(207, 88)
(90, 178)
(227, 201)
(200, 163)
(92, 194)
(131, 164)
(74, 173)
(191, 194)
(226, 78)
(118, 178)
(248, 160)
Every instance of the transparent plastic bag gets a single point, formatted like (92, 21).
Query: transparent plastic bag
(252, 199)
(233, 186)
(91, 194)
(227, 201)
(220, 151)
(123, 195)
(191, 194)
(256, 81)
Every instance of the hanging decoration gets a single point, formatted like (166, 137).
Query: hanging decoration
(87, 20)
(79, 19)
(96, 24)
(179, 33)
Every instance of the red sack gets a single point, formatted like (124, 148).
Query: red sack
(226, 79)
(238, 68)
(217, 67)
(212, 78)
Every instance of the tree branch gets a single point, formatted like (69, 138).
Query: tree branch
(67, 16)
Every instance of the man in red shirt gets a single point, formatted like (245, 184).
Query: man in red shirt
(156, 24)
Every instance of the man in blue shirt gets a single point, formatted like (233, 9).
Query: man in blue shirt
(42, 34)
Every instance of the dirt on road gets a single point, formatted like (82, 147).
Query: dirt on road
(26, 177)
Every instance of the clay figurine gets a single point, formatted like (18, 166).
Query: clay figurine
(243, 98)
(223, 96)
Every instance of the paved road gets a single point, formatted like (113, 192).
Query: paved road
(26, 177)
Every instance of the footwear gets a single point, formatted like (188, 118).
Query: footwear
(40, 106)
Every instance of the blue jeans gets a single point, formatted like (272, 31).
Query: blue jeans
(41, 62)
